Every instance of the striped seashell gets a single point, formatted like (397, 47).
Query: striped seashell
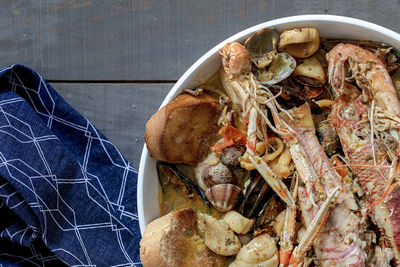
(224, 197)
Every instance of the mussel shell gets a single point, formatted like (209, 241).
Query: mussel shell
(267, 215)
(328, 137)
(256, 192)
(260, 44)
(327, 44)
(396, 81)
(281, 67)
(294, 96)
(190, 185)
(224, 197)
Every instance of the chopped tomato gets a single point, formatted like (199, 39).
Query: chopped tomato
(231, 136)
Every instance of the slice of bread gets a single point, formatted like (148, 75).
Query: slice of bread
(174, 240)
(184, 129)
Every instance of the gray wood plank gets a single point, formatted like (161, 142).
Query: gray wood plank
(119, 110)
(145, 39)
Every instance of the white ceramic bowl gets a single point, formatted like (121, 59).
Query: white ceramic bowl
(327, 25)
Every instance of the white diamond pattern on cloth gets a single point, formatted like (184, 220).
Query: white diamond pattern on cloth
(66, 185)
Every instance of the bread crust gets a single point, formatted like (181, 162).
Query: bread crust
(173, 240)
(152, 245)
(183, 130)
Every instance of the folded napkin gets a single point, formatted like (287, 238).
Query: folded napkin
(67, 195)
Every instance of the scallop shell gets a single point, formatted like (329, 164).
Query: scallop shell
(224, 197)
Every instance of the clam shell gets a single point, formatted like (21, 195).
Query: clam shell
(218, 174)
(224, 197)
(281, 67)
(260, 45)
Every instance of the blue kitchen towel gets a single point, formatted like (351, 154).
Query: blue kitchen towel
(67, 195)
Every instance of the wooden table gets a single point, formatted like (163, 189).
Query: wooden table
(115, 61)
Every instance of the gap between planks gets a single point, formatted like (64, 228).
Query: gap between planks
(113, 81)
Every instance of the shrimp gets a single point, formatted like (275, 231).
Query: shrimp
(368, 71)
(242, 87)
(370, 75)
(296, 257)
(235, 59)
(338, 243)
(368, 159)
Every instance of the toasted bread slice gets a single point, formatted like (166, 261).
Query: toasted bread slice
(173, 240)
(183, 130)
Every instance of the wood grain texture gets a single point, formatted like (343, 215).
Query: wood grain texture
(120, 111)
(145, 39)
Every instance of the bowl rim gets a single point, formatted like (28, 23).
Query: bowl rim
(215, 49)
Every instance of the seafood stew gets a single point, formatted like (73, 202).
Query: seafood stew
(288, 155)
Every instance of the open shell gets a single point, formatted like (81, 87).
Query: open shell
(256, 191)
(224, 197)
(300, 43)
(262, 47)
(281, 67)
(310, 73)
(181, 174)
(266, 217)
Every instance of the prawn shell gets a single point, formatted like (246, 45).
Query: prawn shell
(224, 197)
(327, 44)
